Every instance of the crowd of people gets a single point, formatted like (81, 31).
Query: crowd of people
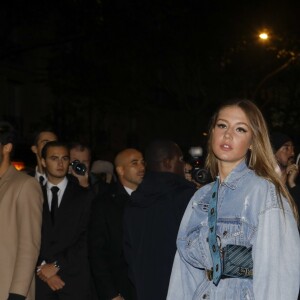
(143, 228)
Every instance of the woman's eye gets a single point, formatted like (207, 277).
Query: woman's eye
(221, 125)
(240, 129)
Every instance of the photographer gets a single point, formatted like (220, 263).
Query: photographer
(79, 170)
(188, 168)
(194, 170)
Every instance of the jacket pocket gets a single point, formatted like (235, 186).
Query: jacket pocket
(231, 231)
(196, 247)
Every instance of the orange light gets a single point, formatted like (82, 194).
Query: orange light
(264, 36)
(19, 165)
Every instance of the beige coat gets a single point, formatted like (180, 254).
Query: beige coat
(20, 232)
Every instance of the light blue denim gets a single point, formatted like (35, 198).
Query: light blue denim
(248, 215)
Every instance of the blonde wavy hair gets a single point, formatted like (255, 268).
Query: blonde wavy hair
(260, 158)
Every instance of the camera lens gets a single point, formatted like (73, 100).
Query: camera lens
(78, 167)
(201, 176)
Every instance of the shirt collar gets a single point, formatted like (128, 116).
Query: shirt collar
(62, 185)
(38, 174)
(128, 190)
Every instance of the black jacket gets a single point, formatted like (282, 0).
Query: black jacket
(109, 269)
(97, 186)
(66, 241)
(151, 223)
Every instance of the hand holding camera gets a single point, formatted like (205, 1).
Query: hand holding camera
(198, 173)
(79, 170)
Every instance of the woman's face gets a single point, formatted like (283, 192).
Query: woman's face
(231, 136)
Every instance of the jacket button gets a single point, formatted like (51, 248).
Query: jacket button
(204, 296)
(225, 233)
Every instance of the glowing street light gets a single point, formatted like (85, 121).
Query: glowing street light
(263, 36)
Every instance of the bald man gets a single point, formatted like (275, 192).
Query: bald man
(130, 168)
(108, 265)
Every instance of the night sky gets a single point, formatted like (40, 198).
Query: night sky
(120, 73)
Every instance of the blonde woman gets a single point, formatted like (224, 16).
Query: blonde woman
(238, 238)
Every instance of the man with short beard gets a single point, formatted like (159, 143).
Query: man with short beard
(107, 261)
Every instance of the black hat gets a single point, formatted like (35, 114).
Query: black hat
(278, 139)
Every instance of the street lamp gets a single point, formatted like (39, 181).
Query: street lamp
(263, 36)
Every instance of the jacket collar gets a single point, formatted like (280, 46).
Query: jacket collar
(236, 174)
(8, 173)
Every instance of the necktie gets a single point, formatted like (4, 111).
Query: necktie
(212, 235)
(54, 202)
(41, 180)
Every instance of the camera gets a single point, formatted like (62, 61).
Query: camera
(198, 172)
(78, 167)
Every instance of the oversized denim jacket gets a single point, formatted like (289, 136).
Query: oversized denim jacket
(248, 215)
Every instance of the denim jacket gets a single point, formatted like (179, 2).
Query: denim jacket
(248, 215)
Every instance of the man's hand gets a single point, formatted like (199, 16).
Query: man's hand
(83, 179)
(55, 283)
(45, 271)
(292, 172)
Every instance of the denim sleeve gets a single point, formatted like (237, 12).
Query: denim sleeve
(184, 277)
(276, 256)
(176, 288)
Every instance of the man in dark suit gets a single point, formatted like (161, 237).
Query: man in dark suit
(152, 219)
(63, 269)
(110, 272)
(40, 139)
